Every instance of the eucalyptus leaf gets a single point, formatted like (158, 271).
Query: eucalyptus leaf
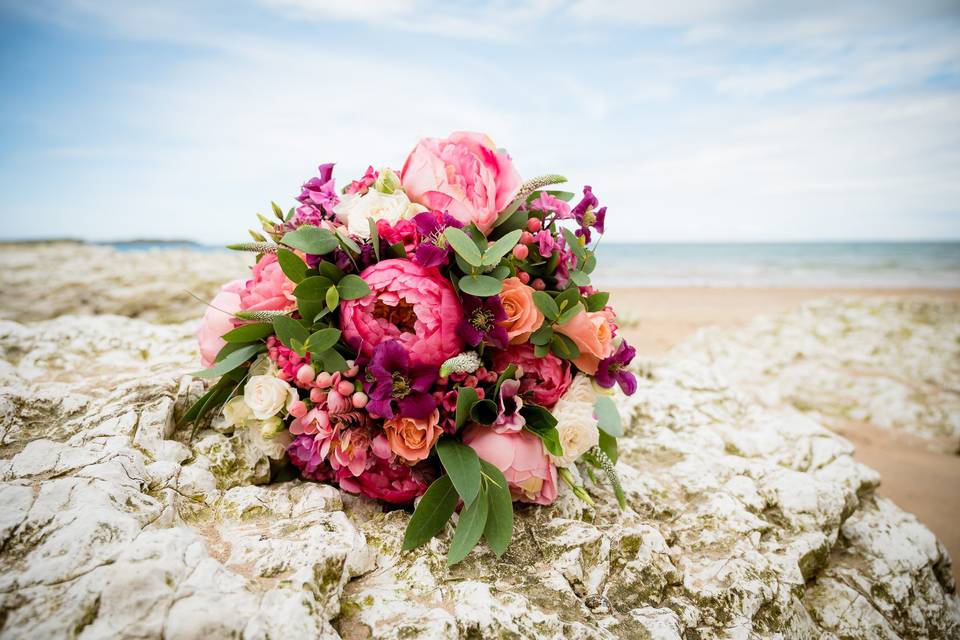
(313, 288)
(332, 298)
(291, 264)
(352, 287)
(574, 242)
(608, 444)
(374, 237)
(288, 329)
(499, 528)
(462, 465)
(322, 340)
(231, 362)
(311, 239)
(590, 263)
(434, 509)
(580, 278)
(480, 286)
(347, 241)
(473, 520)
(608, 418)
(598, 301)
(499, 272)
(463, 245)
(546, 305)
(466, 398)
(249, 332)
(564, 347)
(495, 252)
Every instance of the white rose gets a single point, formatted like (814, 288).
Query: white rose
(236, 412)
(577, 429)
(581, 390)
(266, 396)
(354, 210)
(271, 438)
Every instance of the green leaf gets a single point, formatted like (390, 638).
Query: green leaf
(291, 264)
(495, 252)
(591, 263)
(259, 237)
(484, 411)
(231, 362)
(463, 466)
(542, 336)
(347, 241)
(463, 245)
(435, 508)
(332, 298)
(322, 340)
(508, 374)
(277, 211)
(311, 239)
(608, 444)
(579, 278)
(568, 314)
(500, 272)
(398, 250)
(566, 196)
(288, 329)
(499, 527)
(598, 301)
(352, 287)
(551, 440)
(480, 286)
(333, 361)
(546, 305)
(574, 242)
(466, 398)
(473, 520)
(608, 418)
(290, 213)
(330, 271)
(516, 220)
(374, 237)
(313, 288)
(540, 350)
(249, 332)
(567, 299)
(564, 347)
(543, 424)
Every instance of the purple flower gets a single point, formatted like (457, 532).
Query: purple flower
(320, 191)
(397, 387)
(510, 403)
(545, 243)
(481, 322)
(307, 454)
(587, 216)
(433, 250)
(613, 371)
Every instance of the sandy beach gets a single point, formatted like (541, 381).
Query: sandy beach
(915, 475)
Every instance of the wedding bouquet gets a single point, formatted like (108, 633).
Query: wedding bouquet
(432, 333)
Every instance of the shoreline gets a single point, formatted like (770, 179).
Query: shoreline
(914, 475)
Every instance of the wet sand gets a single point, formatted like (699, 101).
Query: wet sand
(915, 475)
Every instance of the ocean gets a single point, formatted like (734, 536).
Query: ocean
(887, 265)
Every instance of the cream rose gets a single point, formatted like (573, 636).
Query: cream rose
(576, 424)
(354, 210)
(267, 396)
(236, 413)
(271, 437)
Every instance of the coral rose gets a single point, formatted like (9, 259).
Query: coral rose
(523, 316)
(464, 174)
(593, 335)
(217, 320)
(412, 439)
(269, 289)
(411, 304)
(544, 379)
(522, 459)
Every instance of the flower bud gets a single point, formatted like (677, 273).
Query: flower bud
(520, 252)
(524, 277)
(317, 396)
(526, 238)
(323, 380)
(298, 409)
(534, 224)
(306, 374)
(538, 284)
(345, 387)
(359, 400)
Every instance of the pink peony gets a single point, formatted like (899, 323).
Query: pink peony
(544, 379)
(408, 303)
(217, 320)
(269, 289)
(522, 459)
(386, 477)
(464, 174)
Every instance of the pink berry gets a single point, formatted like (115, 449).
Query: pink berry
(306, 374)
(317, 396)
(526, 238)
(360, 400)
(324, 380)
(524, 277)
(298, 409)
(534, 224)
(538, 284)
(345, 387)
(520, 252)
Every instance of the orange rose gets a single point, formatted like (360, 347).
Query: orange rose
(523, 317)
(412, 439)
(593, 336)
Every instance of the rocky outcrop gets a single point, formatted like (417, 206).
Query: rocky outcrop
(890, 362)
(743, 520)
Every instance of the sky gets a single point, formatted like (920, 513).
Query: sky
(693, 120)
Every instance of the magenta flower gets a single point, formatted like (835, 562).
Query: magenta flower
(399, 387)
(587, 215)
(317, 195)
(386, 477)
(545, 243)
(550, 204)
(482, 322)
(308, 454)
(433, 250)
(613, 371)
(509, 404)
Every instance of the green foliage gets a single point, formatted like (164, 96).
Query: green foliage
(480, 285)
(608, 444)
(288, 330)
(484, 411)
(312, 240)
(608, 418)
(236, 358)
(546, 305)
(495, 252)
(463, 466)
(473, 520)
(499, 528)
(574, 243)
(435, 508)
(563, 347)
(598, 301)
(464, 246)
(332, 298)
(466, 398)
(293, 267)
(543, 424)
(249, 332)
(352, 287)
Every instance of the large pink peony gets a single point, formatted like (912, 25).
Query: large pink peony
(408, 303)
(464, 174)
(269, 289)
(544, 379)
(217, 320)
(522, 459)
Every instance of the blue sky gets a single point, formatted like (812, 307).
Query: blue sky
(696, 121)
